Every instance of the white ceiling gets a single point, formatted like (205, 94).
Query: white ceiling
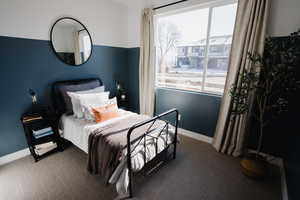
(128, 2)
(145, 2)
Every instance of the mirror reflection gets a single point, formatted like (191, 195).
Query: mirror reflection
(71, 41)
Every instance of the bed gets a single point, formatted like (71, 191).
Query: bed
(120, 146)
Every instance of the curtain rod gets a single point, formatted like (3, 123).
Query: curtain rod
(170, 4)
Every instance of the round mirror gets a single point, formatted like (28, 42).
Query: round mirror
(71, 41)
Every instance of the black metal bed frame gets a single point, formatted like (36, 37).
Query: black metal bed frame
(143, 138)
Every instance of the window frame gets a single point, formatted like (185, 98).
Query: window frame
(185, 7)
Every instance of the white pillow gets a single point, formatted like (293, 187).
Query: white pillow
(91, 100)
(87, 109)
(112, 101)
(77, 110)
(88, 113)
(94, 98)
(75, 104)
(95, 90)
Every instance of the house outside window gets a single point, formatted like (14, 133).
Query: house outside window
(193, 48)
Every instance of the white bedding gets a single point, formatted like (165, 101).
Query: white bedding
(77, 131)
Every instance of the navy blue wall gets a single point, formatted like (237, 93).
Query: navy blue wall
(282, 135)
(26, 63)
(199, 111)
(291, 129)
(133, 78)
(290, 143)
(292, 160)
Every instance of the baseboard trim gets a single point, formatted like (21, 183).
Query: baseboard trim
(284, 189)
(14, 156)
(278, 162)
(194, 135)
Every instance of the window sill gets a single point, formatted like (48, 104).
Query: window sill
(189, 91)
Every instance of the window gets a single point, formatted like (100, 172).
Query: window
(193, 47)
(84, 44)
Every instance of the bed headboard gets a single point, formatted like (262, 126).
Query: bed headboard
(61, 101)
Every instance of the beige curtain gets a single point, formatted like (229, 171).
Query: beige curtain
(249, 36)
(147, 67)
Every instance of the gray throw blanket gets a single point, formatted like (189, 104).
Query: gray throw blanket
(106, 144)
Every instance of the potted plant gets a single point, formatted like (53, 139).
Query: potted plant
(266, 85)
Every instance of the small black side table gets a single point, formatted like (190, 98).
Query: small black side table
(122, 102)
(39, 119)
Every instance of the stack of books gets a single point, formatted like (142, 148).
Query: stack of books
(44, 148)
(42, 132)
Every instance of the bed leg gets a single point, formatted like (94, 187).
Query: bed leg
(174, 153)
(175, 137)
(129, 162)
(130, 185)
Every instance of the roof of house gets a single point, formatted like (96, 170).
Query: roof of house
(216, 40)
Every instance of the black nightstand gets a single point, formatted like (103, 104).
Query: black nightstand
(40, 119)
(122, 102)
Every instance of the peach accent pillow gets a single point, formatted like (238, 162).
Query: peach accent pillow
(106, 112)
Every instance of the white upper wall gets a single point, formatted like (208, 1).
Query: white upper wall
(112, 22)
(135, 8)
(284, 16)
(106, 20)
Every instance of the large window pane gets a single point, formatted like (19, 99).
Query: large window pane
(180, 44)
(188, 55)
(220, 38)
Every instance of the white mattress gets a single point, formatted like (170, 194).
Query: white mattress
(77, 131)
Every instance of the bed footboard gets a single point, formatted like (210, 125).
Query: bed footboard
(149, 122)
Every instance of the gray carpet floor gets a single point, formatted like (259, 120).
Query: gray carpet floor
(198, 173)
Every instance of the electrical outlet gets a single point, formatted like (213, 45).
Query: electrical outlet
(179, 117)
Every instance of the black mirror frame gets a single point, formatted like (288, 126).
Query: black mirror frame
(52, 46)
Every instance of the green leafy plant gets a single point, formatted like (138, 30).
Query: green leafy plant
(268, 83)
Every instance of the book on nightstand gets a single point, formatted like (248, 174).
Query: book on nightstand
(31, 118)
(42, 132)
(41, 149)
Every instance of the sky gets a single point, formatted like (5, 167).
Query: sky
(193, 24)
